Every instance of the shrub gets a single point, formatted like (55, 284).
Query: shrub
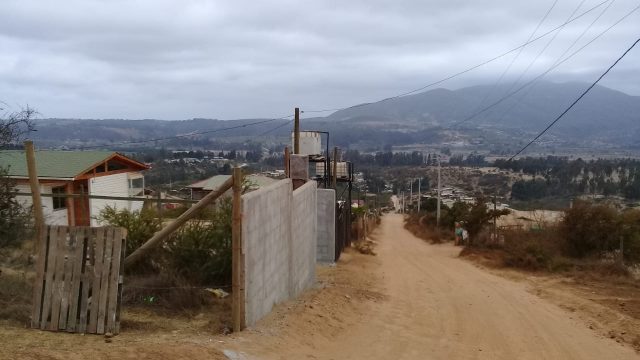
(15, 220)
(532, 250)
(140, 225)
(590, 229)
(201, 249)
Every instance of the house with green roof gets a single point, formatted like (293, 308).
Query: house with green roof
(104, 173)
(201, 188)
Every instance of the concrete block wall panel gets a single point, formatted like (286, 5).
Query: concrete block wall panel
(303, 238)
(266, 236)
(326, 238)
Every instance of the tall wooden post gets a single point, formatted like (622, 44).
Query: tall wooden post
(35, 190)
(238, 281)
(296, 132)
(334, 180)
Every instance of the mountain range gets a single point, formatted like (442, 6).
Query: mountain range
(478, 116)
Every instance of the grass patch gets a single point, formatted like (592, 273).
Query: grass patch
(15, 297)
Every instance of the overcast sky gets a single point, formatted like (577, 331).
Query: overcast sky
(234, 59)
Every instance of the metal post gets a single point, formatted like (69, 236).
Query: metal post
(419, 196)
(334, 181)
(286, 162)
(410, 194)
(296, 132)
(439, 191)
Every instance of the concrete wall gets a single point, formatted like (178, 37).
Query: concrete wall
(266, 237)
(326, 224)
(279, 245)
(303, 238)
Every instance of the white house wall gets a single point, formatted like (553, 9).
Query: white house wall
(51, 217)
(110, 185)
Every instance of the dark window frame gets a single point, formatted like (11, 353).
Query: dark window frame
(59, 203)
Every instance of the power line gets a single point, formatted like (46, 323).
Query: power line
(466, 70)
(495, 85)
(576, 101)
(499, 101)
(546, 46)
(560, 57)
(201, 132)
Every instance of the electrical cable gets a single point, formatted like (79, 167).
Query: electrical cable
(513, 60)
(546, 46)
(499, 101)
(201, 132)
(449, 77)
(575, 101)
(558, 59)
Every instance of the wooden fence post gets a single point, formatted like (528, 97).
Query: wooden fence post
(238, 280)
(35, 191)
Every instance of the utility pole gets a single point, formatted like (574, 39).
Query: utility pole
(495, 217)
(334, 179)
(439, 191)
(419, 196)
(296, 132)
(410, 194)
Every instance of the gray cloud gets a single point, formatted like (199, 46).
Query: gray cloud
(233, 59)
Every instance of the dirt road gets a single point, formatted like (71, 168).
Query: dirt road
(440, 307)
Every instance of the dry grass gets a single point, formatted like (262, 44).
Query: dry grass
(421, 228)
(15, 297)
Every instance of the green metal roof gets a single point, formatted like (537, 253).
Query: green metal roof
(214, 182)
(52, 164)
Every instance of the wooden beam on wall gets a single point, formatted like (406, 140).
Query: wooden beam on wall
(238, 279)
(161, 235)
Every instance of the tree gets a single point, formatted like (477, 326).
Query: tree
(14, 218)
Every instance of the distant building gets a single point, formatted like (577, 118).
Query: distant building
(74, 172)
(201, 188)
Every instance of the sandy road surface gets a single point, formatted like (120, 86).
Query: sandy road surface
(441, 307)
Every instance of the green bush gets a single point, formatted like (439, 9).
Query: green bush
(198, 252)
(140, 225)
(15, 220)
(590, 229)
(201, 249)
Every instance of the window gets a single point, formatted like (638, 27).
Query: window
(59, 202)
(136, 186)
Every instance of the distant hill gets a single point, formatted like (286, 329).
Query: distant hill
(605, 118)
(601, 113)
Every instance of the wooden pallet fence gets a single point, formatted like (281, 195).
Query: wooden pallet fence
(78, 285)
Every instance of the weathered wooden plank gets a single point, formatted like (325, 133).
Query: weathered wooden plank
(123, 255)
(76, 278)
(58, 277)
(38, 283)
(49, 269)
(104, 286)
(95, 286)
(70, 256)
(86, 279)
(114, 277)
